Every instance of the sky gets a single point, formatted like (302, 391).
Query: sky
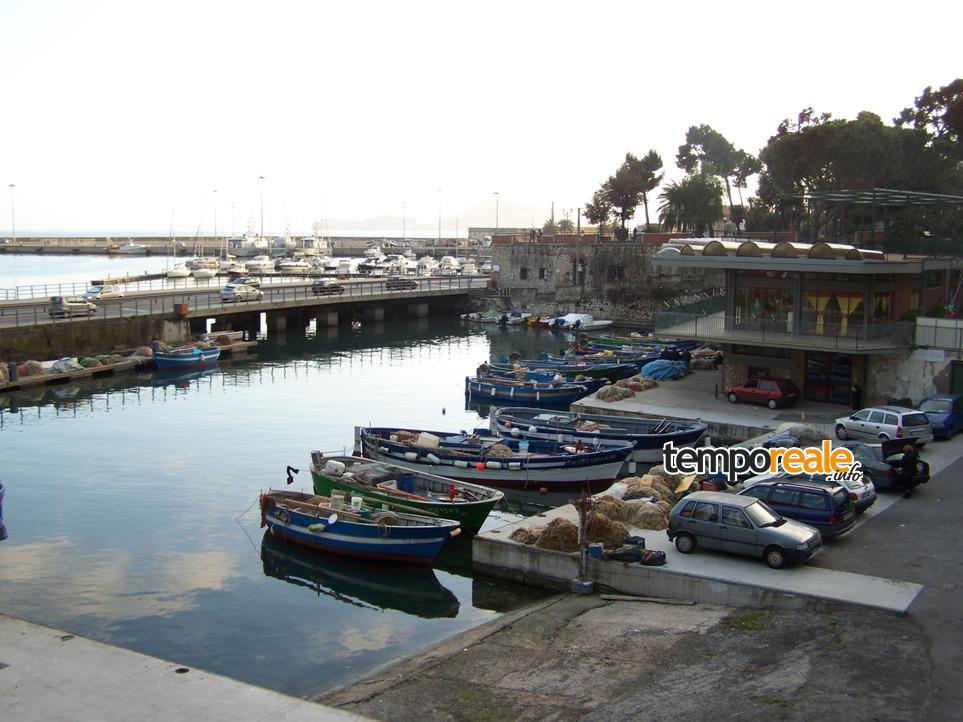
(131, 116)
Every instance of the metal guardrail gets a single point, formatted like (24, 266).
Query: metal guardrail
(729, 329)
(275, 296)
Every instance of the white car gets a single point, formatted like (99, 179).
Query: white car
(102, 293)
(241, 292)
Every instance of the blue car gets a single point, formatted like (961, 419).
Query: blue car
(945, 412)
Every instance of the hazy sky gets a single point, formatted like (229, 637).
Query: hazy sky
(116, 115)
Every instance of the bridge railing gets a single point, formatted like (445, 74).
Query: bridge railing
(210, 300)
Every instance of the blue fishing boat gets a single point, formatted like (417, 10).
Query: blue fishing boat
(186, 357)
(568, 369)
(496, 461)
(647, 434)
(533, 392)
(316, 522)
(548, 376)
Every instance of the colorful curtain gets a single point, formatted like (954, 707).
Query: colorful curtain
(819, 300)
(848, 302)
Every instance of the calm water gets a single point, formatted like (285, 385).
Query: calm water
(130, 504)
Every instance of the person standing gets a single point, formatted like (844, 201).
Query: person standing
(907, 474)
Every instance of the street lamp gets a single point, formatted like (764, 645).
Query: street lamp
(261, 178)
(404, 220)
(496, 213)
(13, 216)
(215, 216)
(439, 216)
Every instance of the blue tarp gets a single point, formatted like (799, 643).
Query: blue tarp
(665, 370)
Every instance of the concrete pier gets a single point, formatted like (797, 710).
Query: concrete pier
(374, 313)
(418, 310)
(52, 676)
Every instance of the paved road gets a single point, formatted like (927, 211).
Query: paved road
(162, 301)
(918, 540)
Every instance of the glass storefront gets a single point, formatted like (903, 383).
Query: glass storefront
(828, 377)
(770, 305)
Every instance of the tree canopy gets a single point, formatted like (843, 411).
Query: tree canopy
(692, 204)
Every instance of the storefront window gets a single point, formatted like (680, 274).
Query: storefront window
(770, 305)
(883, 306)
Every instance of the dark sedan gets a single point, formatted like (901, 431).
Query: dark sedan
(882, 463)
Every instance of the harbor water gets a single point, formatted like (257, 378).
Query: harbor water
(132, 517)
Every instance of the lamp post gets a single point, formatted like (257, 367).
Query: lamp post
(404, 221)
(215, 216)
(13, 216)
(496, 213)
(439, 216)
(261, 178)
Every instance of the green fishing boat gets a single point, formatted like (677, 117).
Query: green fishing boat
(406, 490)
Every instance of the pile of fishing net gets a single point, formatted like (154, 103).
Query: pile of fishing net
(404, 437)
(642, 513)
(524, 535)
(143, 352)
(560, 535)
(499, 449)
(109, 358)
(637, 383)
(89, 362)
(614, 393)
(702, 364)
(223, 340)
(610, 532)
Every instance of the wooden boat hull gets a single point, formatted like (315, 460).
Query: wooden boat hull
(531, 470)
(181, 361)
(647, 435)
(470, 514)
(418, 544)
(490, 389)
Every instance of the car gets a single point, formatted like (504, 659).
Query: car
(861, 490)
(945, 412)
(70, 306)
(882, 463)
(771, 392)
(246, 281)
(742, 525)
(95, 293)
(885, 422)
(326, 287)
(824, 505)
(241, 292)
(396, 283)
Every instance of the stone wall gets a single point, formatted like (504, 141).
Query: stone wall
(909, 375)
(78, 338)
(617, 281)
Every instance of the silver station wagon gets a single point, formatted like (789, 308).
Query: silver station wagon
(882, 423)
(742, 525)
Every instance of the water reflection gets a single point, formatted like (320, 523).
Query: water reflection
(411, 589)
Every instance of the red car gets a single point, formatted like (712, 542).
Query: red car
(770, 392)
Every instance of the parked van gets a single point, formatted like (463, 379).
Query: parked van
(824, 505)
(70, 306)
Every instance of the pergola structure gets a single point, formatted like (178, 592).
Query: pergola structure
(941, 237)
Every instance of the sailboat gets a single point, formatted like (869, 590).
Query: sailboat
(178, 270)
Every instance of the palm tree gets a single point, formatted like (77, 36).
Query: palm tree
(692, 204)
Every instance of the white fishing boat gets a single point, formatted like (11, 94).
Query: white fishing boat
(129, 248)
(579, 321)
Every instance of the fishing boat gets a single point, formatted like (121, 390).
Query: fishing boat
(381, 483)
(489, 316)
(318, 522)
(129, 248)
(570, 369)
(501, 462)
(186, 357)
(491, 387)
(514, 318)
(406, 588)
(547, 376)
(646, 433)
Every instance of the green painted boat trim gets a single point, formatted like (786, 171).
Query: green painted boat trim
(470, 514)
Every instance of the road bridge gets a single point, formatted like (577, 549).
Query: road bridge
(28, 331)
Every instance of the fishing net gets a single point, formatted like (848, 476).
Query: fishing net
(608, 506)
(524, 535)
(560, 535)
(404, 437)
(600, 528)
(89, 362)
(499, 449)
(644, 514)
(613, 393)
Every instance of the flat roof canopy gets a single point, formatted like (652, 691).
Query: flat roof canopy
(806, 265)
(877, 196)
